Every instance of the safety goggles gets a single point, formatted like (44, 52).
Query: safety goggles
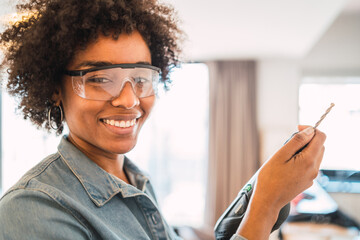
(106, 82)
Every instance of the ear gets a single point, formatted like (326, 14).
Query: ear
(57, 96)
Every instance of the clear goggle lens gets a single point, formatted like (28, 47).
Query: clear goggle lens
(106, 83)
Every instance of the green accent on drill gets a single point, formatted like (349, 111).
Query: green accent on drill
(248, 187)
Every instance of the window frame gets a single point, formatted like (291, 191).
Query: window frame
(336, 181)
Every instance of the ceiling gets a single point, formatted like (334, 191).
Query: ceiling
(230, 29)
(233, 29)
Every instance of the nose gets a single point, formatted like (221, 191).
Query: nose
(127, 98)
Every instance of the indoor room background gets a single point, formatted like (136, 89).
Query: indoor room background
(252, 71)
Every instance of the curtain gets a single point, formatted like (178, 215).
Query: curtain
(234, 143)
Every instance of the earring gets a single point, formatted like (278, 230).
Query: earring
(53, 117)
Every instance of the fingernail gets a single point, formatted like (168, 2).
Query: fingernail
(309, 131)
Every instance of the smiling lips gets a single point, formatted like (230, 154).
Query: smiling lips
(120, 123)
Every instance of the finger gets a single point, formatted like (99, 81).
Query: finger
(302, 127)
(316, 144)
(319, 158)
(298, 141)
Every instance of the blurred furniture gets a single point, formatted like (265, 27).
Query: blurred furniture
(314, 231)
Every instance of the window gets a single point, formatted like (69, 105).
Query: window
(342, 125)
(172, 146)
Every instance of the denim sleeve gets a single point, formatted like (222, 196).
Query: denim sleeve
(29, 214)
(237, 237)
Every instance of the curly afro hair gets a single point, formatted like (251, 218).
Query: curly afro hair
(38, 48)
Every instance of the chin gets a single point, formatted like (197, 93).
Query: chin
(123, 148)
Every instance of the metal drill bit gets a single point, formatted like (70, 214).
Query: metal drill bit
(324, 115)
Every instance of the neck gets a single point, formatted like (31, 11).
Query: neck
(112, 163)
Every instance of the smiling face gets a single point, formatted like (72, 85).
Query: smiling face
(107, 128)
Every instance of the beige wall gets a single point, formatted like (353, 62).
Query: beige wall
(338, 51)
(277, 102)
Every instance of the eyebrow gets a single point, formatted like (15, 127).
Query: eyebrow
(101, 64)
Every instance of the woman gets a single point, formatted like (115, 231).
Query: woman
(95, 65)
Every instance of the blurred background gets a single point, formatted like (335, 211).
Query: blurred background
(253, 70)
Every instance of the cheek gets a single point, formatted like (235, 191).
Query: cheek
(78, 111)
(81, 108)
(147, 104)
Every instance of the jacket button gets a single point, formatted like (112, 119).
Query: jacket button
(153, 218)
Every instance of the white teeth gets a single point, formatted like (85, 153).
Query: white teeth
(122, 124)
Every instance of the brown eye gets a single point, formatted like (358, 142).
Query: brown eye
(97, 80)
(140, 81)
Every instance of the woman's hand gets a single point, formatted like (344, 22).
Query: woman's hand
(280, 179)
(285, 175)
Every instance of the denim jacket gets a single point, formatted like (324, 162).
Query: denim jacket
(68, 196)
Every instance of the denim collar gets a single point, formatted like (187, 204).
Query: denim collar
(99, 184)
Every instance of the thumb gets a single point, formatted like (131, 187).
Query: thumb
(298, 141)
(302, 127)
